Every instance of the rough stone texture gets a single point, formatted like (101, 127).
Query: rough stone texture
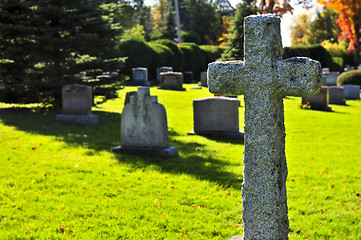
(351, 91)
(163, 69)
(264, 79)
(140, 76)
(90, 119)
(216, 116)
(336, 96)
(318, 101)
(144, 128)
(77, 99)
(204, 79)
(171, 81)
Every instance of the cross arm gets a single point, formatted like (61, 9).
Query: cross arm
(224, 78)
(298, 76)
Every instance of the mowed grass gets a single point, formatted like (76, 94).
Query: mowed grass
(60, 181)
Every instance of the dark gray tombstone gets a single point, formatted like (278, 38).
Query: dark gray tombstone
(216, 116)
(144, 127)
(163, 70)
(187, 77)
(77, 102)
(336, 95)
(318, 101)
(171, 81)
(204, 79)
(140, 76)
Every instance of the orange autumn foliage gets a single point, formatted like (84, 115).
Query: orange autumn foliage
(349, 19)
(276, 7)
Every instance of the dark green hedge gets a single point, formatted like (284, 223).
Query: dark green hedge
(349, 78)
(138, 54)
(177, 52)
(161, 55)
(316, 52)
(182, 57)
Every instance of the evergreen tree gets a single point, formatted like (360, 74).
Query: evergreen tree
(234, 49)
(47, 44)
(169, 28)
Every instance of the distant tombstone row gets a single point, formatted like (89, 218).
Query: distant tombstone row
(77, 102)
(332, 95)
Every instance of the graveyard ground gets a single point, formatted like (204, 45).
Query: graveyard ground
(61, 181)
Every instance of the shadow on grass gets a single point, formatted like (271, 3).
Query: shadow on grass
(103, 137)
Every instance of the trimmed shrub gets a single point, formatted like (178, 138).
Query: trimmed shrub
(177, 52)
(161, 55)
(212, 53)
(349, 78)
(316, 52)
(193, 58)
(190, 37)
(138, 54)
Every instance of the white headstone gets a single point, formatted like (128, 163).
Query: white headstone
(144, 127)
(330, 78)
(264, 79)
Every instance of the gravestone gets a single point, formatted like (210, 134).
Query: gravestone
(318, 101)
(187, 77)
(77, 102)
(336, 95)
(330, 78)
(351, 91)
(171, 81)
(163, 69)
(216, 116)
(144, 127)
(204, 79)
(264, 79)
(140, 77)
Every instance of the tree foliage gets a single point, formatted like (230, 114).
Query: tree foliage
(47, 44)
(349, 21)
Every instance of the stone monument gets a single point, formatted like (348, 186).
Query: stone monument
(188, 77)
(319, 101)
(329, 78)
(216, 116)
(204, 79)
(140, 76)
(171, 81)
(144, 127)
(77, 103)
(264, 79)
(351, 92)
(336, 95)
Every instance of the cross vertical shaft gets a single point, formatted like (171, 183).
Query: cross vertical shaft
(264, 79)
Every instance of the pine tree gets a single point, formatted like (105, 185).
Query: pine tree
(234, 49)
(169, 28)
(51, 43)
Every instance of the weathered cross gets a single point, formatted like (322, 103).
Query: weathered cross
(264, 79)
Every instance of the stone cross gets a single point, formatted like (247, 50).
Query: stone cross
(264, 79)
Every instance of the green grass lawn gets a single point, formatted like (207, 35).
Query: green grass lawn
(60, 181)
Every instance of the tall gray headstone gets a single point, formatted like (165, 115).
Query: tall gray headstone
(144, 127)
(77, 102)
(336, 95)
(264, 78)
(204, 79)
